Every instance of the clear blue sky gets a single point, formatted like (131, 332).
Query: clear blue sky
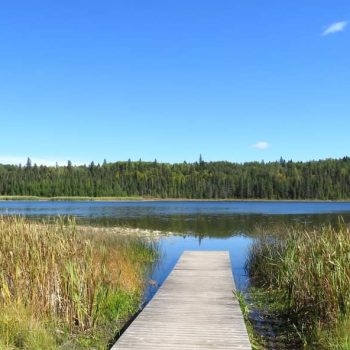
(88, 80)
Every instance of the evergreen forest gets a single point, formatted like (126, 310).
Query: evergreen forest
(323, 179)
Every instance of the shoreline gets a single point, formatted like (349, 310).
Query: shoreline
(151, 199)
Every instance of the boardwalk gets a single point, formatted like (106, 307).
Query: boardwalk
(194, 309)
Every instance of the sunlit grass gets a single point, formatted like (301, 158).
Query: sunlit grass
(70, 198)
(309, 272)
(58, 286)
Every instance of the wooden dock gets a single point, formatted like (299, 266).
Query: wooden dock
(195, 308)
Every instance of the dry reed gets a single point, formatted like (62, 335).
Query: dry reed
(75, 280)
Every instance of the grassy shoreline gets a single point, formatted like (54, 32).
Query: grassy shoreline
(158, 199)
(64, 288)
(301, 279)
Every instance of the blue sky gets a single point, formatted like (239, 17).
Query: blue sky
(232, 80)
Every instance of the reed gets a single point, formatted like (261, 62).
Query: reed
(67, 284)
(310, 271)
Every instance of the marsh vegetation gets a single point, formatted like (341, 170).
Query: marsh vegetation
(300, 279)
(64, 289)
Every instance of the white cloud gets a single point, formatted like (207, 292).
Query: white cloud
(262, 145)
(39, 161)
(335, 28)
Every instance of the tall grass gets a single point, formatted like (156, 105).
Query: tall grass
(310, 271)
(66, 286)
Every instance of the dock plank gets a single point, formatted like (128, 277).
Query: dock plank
(195, 308)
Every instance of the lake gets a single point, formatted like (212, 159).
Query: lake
(194, 225)
(203, 225)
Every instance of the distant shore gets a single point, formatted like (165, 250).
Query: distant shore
(155, 199)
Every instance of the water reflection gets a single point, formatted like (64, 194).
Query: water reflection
(223, 226)
(206, 219)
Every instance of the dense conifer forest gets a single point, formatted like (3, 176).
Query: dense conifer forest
(323, 179)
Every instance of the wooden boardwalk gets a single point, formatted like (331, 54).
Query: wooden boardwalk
(195, 308)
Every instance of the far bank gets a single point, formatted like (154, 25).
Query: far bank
(159, 199)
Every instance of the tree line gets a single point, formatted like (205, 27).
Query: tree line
(323, 179)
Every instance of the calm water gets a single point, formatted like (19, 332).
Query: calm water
(204, 225)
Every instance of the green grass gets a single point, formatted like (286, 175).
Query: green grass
(67, 198)
(77, 198)
(155, 198)
(254, 338)
(19, 198)
(60, 289)
(307, 272)
(336, 337)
